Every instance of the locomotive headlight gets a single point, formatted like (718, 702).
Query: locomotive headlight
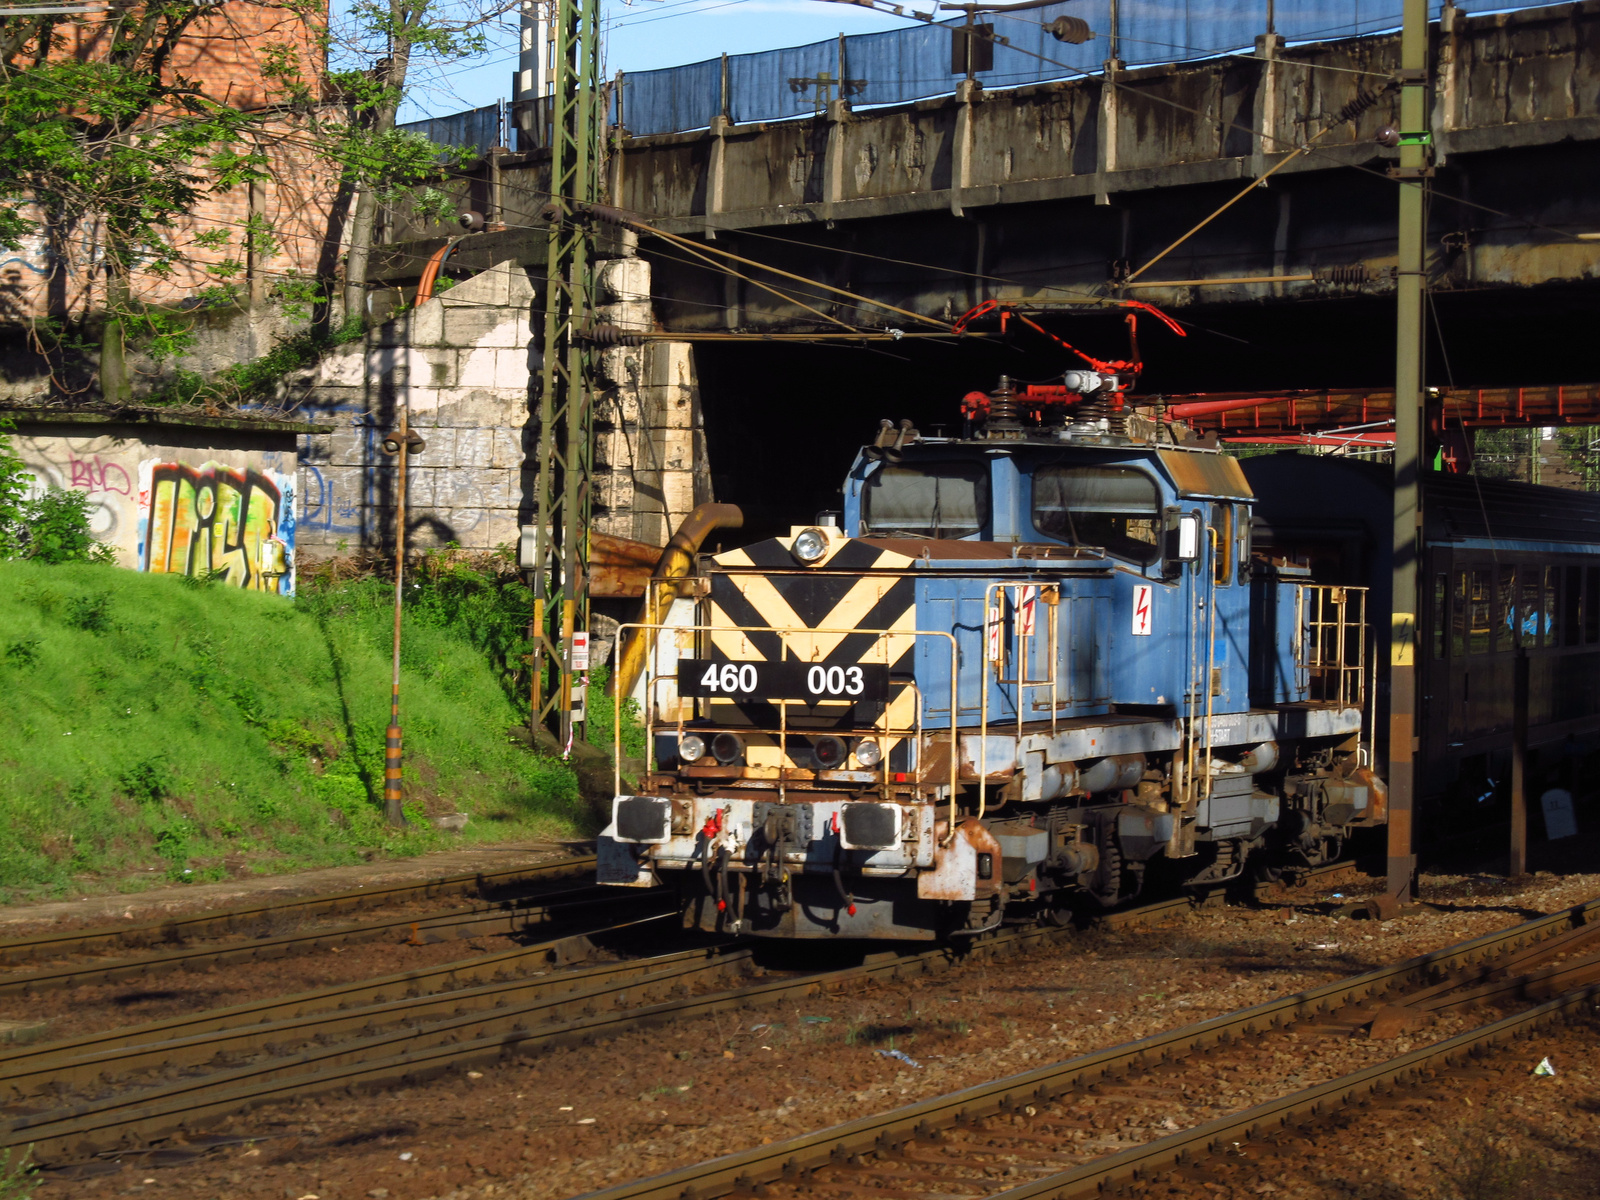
(691, 748)
(828, 752)
(868, 752)
(810, 545)
(727, 748)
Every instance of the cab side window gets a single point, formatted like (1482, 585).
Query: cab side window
(1222, 556)
(1117, 509)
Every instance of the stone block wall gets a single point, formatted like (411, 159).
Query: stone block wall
(460, 364)
(466, 364)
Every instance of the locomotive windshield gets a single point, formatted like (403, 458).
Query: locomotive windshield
(941, 500)
(1115, 508)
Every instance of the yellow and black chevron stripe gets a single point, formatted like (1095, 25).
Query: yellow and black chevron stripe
(764, 607)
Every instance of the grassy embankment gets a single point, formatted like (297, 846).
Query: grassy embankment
(157, 730)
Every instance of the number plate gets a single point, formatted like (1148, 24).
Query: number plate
(810, 683)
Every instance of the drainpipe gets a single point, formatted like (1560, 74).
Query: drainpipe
(676, 561)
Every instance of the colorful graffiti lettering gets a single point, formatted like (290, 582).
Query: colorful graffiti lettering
(200, 520)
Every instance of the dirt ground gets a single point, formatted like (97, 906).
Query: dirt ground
(575, 1120)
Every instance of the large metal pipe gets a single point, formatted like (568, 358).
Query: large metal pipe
(676, 561)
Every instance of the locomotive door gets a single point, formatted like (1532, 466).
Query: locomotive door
(1229, 575)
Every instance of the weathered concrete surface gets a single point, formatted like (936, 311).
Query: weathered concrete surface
(1046, 191)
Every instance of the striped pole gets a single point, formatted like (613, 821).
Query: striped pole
(393, 809)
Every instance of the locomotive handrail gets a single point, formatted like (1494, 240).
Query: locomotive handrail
(1325, 643)
(1022, 681)
(783, 633)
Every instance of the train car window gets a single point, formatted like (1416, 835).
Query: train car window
(1480, 632)
(1591, 611)
(1529, 618)
(949, 500)
(1552, 585)
(1222, 562)
(1572, 608)
(1458, 616)
(1115, 508)
(1505, 610)
(1441, 612)
(1244, 543)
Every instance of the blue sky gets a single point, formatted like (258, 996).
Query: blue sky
(645, 34)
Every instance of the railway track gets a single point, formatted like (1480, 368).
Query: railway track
(497, 918)
(248, 920)
(1062, 1128)
(138, 1085)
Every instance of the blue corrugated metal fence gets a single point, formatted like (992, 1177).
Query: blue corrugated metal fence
(914, 63)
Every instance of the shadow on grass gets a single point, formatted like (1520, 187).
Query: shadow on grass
(344, 708)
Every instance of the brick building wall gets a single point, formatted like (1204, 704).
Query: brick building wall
(227, 50)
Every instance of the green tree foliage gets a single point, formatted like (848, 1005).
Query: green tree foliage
(375, 53)
(19, 1177)
(118, 143)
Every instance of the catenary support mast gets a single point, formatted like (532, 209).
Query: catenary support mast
(1411, 175)
(565, 397)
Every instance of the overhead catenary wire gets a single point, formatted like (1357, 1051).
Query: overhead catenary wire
(768, 288)
(645, 227)
(1236, 125)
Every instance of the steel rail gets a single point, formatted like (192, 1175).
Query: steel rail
(80, 1058)
(501, 917)
(1216, 894)
(161, 1043)
(745, 1170)
(375, 1031)
(223, 922)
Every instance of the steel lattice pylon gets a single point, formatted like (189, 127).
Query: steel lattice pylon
(566, 439)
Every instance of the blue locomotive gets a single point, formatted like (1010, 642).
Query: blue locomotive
(1024, 668)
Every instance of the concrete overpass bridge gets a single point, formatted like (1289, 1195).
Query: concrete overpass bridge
(1050, 191)
(1050, 194)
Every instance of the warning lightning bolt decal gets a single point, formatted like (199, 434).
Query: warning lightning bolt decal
(1141, 608)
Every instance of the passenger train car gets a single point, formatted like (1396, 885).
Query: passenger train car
(1507, 568)
(1024, 666)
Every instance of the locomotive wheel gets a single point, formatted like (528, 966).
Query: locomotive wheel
(1107, 888)
(1268, 872)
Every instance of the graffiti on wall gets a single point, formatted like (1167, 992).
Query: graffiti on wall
(108, 484)
(214, 518)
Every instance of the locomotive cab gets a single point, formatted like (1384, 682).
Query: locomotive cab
(1026, 666)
